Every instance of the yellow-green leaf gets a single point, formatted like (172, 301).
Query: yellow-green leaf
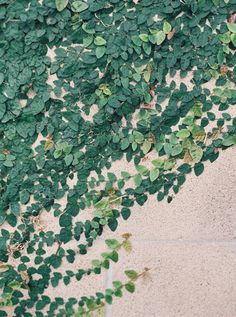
(160, 37)
(100, 51)
(143, 37)
(61, 4)
(99, 41)
(154, 173)
(79, 6)
(167, 27)
(147, 75)
(184, 133)
(232, 27)
(225, 38)
(196, 153)
(131, 274)
(233, 39)
(146, 146)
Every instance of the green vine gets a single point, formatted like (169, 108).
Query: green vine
(84, 84)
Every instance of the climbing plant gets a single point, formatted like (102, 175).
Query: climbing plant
(82, 85)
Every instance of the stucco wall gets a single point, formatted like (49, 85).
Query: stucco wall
(190, 247)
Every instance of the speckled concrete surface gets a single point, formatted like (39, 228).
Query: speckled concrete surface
(187, 280)
(190, 247)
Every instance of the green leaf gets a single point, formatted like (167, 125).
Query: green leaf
(124, 144)
(160, 37)
(2, 110)
(147, 75)
(15, 208)
(184, 133)
(87, 29)
(143, 37)
(147, 49)
(37, 106)
(146, 146)
(61, 4)
(125, 213)
(220, 56)
(96, 263)
(198, 169)
(65, 220)
(125, 175)
(233, 39)
(232, 27)
(114, 256)
(196, 153)
(166, 27)
(1, 78)
(141, 169)
(226, 50)
(2, 219)
(10, 157)
(112, 224)
(14, 285)
(87, 40)
(131, 274)
(218, 92)
(225, 38)
(130, 287)
(99, 41)
(197, 109)
(68, 159)
(55, 261)
(138, 180)
(134, 146)
(176, 150)
(112, 177)
(136, 40)
(24, 197)
(168, 148)
(108, 299)
(154, 173)
(107, 91)
(229, 140)
(112, 243)
(188, 120)
(158, 163)
(57, 153)
(173, 139)
(125, 82)
(138, 137)
(117, 284)
(79, 6)
(101, 204)
(169, 164)
(8, 163)
(100, 51)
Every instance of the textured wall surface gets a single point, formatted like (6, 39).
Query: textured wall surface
(190, 247)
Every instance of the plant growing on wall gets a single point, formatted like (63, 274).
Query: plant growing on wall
(60, 60)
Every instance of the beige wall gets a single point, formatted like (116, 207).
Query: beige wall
(190, 247)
